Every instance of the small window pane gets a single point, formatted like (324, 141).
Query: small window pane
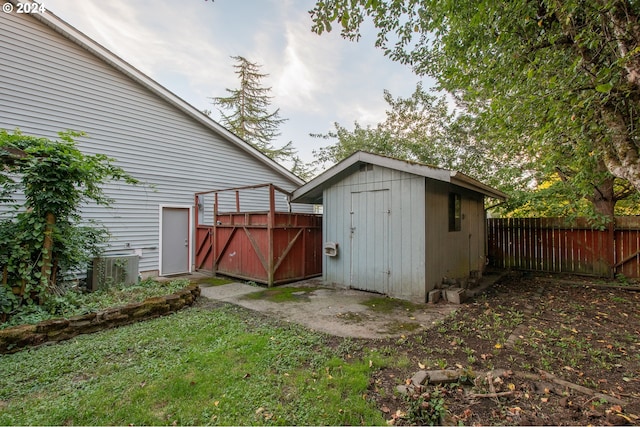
(455, 212)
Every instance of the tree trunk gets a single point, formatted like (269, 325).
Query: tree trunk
(622, 157)
(47, 250)
(603, 199)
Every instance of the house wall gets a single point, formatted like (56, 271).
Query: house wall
(405, 239)
(50, 83)
(453, 254)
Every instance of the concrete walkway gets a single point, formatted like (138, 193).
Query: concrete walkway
(339, 312)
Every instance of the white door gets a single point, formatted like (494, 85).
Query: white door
(370, 240)
(174, 245)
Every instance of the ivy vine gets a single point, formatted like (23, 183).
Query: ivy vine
(44, 184)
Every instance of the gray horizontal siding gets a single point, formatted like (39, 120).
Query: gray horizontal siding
(51, 84)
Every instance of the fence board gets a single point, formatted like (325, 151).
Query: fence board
(554, 245)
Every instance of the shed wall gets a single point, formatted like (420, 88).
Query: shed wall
(406, 236)
(52, 84)
(453, 254)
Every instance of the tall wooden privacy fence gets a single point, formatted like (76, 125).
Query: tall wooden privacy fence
(559, 246)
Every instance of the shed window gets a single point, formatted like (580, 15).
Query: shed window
(455, 212)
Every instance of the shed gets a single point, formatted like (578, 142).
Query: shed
(397, 227)
(57, 78)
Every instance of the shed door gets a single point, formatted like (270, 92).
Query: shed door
(370, 240)
(175, 241)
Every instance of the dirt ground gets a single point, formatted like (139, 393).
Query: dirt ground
(531, 350)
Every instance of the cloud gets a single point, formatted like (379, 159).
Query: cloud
(158, 38)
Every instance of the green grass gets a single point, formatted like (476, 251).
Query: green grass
(197, 367)
(384, 304)
(214, 281)
(74, 302)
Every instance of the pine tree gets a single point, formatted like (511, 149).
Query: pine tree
(245, 111)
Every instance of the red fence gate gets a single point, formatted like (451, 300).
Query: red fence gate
(556, 245)
(264, 246)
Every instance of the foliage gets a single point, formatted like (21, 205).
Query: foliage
(415, 129)
(41, 236)
(554, 86)
(197, 367)
(245, 112)
(426, 409)
(75, 301)
(421, 128)
(248, 115)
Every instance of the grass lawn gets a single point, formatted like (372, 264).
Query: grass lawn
(200, 366)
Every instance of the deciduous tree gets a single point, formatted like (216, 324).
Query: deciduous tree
(543, 80)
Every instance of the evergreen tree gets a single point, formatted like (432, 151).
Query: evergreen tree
(245, 111)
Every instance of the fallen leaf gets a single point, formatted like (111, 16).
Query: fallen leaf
(370, 363)
(385, 409)
(421, 365)
(511, 386)
(544, 399)
(217, 402)
(498, 345)
(515, 410)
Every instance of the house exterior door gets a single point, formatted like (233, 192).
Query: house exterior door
(174, 240)
(370, 240)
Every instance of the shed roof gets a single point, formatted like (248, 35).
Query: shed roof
(75, 35)
(311, 192)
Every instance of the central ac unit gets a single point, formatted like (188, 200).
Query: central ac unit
(109, 270)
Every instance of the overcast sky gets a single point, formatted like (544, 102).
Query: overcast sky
(186, 46)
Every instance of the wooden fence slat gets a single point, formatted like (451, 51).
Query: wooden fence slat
(554, 245)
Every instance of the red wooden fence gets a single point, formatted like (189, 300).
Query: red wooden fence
(268, 247)
(557, 245)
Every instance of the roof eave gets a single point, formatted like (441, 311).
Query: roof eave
(311, 192)
(466, 181)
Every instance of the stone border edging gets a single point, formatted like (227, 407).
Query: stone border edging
(19, 337)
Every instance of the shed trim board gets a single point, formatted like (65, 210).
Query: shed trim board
(175, 244)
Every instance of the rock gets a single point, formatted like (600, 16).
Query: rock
(402, 389)
(443, 376)
(419, 378)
